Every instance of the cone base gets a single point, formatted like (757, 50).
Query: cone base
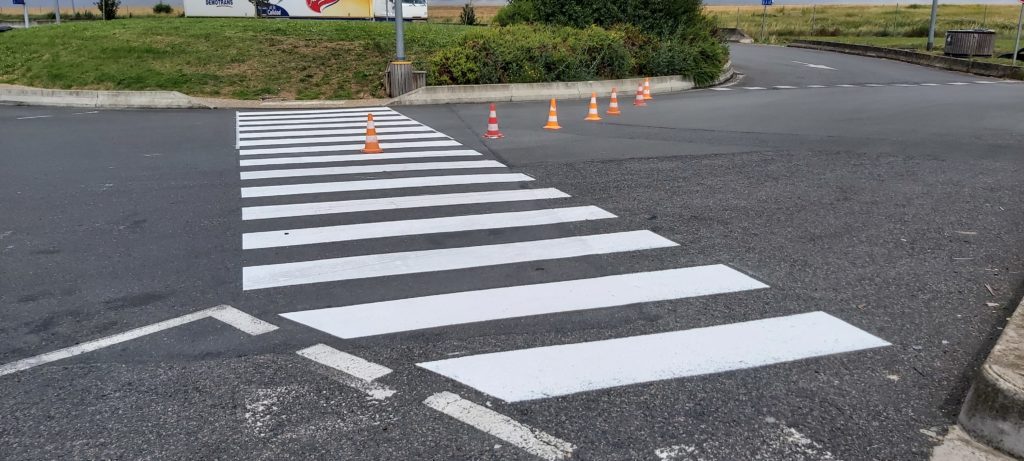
(493, 135)
(613, 114)
(552, 127)
(372, 151)
(647, 98)
(592, 118)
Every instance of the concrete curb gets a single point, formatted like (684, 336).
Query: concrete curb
(23, 95)
(986, 69)
(994, 409)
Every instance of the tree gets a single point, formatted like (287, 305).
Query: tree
(468, 16)
(108, 8)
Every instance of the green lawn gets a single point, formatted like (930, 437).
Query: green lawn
(237, 58)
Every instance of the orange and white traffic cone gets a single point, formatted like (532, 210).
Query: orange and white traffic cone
(647, 89)
(613, 107)
(492, 125)
(372, 146)
(639, 101)
(552, 117)
(592, 115)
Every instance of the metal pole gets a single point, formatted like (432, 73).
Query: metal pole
(399, 31)
(25, 7)
(764, 13)
(813, 8)
(56, 10)
(895, 16)
(737, 17)
(931, 28)
(1016, 44)
(73, 11)
(104, 7)
(984, 16)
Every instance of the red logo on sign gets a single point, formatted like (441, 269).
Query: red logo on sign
(319, 5)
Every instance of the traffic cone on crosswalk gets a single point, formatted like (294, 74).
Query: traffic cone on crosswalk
(552, 117)
(492, 125)
(613, 106)
(647, 89)
(639, 101)
(592, 115)
(371, 146)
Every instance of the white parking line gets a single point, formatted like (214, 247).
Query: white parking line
(361, 169)
(846, 86)
(395, 203)
(363, 231)
(721, 89)
(33, 117)
(227, 314)
(531, 440)
(958, 83)
(929, 84)
(412, 262)
(754, 88)
(552, 371)
(525, 300)
(357, 157)
(873, 85)
(347, 147)
(378, 184)
(427, 133)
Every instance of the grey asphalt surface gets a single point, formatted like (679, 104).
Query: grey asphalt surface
(892, 208)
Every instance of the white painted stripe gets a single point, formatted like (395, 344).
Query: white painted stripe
(984, 81)
(754, 88)
(816, 86)
(520, 301)
(312, 111)
(362, 231)
(344, 362)
(567, 369)
(33, 117)
(784, 87)
(846, 86)
(348, 147)
(721, 89)
(385, 168)
(394, 121)
(529, 439)
(427, 133)
(958, 83)
(381, 265)
(273, 124)
(929, 84)
(903, 84)
(388, 127)
(395, 203)
(318, 116)
(873, 85)
(227, 314)
(378, 184)
(358, 157)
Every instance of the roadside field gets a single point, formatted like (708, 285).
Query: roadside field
(450, 14)
(237, 58)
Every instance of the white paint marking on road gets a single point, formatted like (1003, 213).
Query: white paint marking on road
(227, 314)
(385, 168)
(784, 87)
(317, 116)
(754, 88)
(277, 124)
(86, 113)
(846, 86)
(358, 157)
(873, 85)
(348, 147)
(958, 83)
(984, 81)
(395, 203)
(521, 301)
(533, 441)
(816, 86)
(412, 262)
(379, 184)
(903, 84)
(396, 121)
(427, 133)
(349, 131)
(721, 89)
(34, 117)
(815, 66)
(312, 111)
(552, 371)
(342, 361)
(363, 231)
(929, 84)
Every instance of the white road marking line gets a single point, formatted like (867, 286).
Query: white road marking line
(412, 262)
(552, 371)
(873, 85)
(754, 88)
(784, 87)
(33, 117)
(316, 116)
(816, 86)
(815, 66)
(929, 84)
(227, 314)
(846, 86)
(348, 147)
(427, 133)
(362, 231)
(721, 89)
(958, 83)
(395, 203)
(355, 124)
(86, 113)
(378, 184)
(344, 362)
(903, 84)
(385, 168)
(531, 440)
(520, 301)
(357, 157)
(352, 128)
(277, 124)
(984, 81)
(313, 111)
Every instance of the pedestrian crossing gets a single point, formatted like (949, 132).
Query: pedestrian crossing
(306, 164)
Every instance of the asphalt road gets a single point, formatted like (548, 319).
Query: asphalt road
(893, 209)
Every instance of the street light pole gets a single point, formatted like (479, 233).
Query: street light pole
(931, 28)
(399, 32)
(764, 14)
(56, 10)
(1016, 43)
(24, 5)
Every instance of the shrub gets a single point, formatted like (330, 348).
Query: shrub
(516, 12)
(162, 8)
(468, 15)
(659, 17)
(108, 8)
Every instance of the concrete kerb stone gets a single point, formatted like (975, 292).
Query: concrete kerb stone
(986, 69)
(994, 409)
(13, 94)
